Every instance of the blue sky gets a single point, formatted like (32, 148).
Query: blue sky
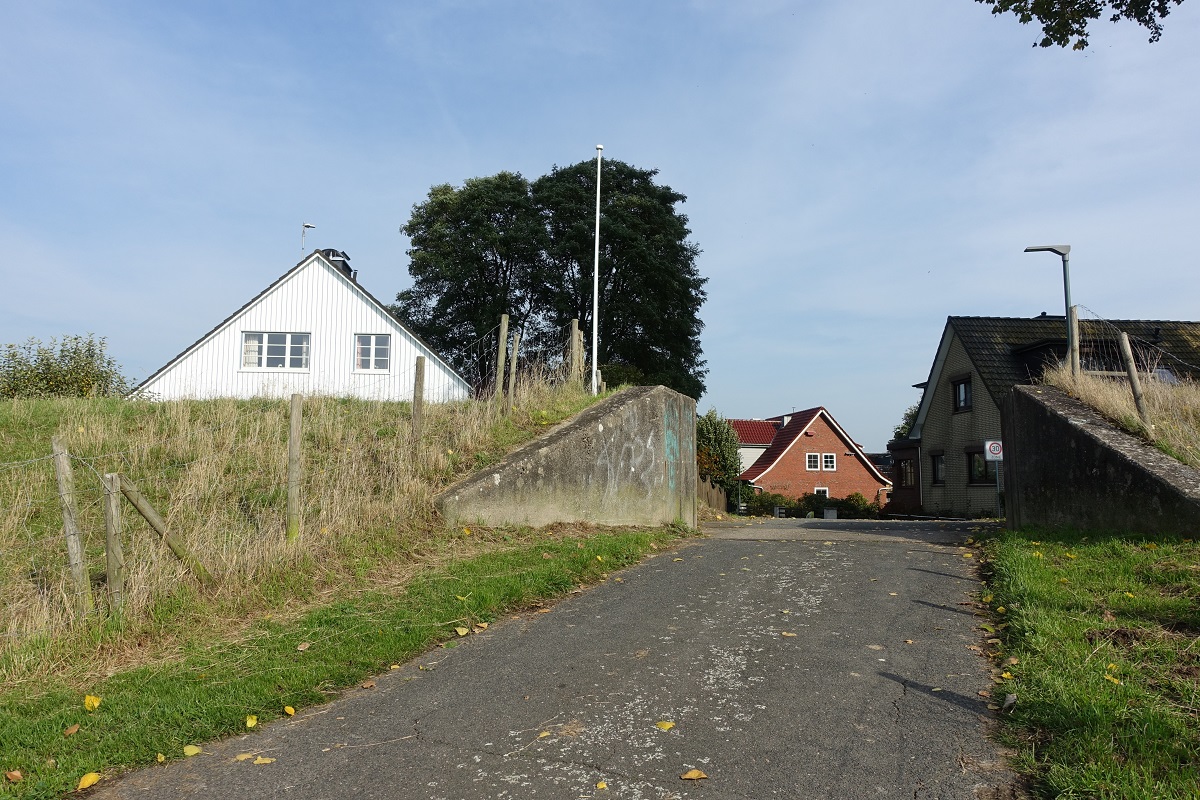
(855, 172)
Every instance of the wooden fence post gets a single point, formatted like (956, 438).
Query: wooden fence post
(293, 473)
(501, 349)
(512, 371)
(601, 386)
(151, 516)
(112, 539)
(1074, 354)
(576, 370)
(418, 404)
(66, 494)
(1135, 383)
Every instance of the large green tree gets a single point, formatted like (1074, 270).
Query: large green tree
(717, 450)
(476, 253)
(650, 288)
(1065, 22)
(502, 245)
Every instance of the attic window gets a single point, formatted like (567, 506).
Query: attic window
(275, 350)
(962, 395)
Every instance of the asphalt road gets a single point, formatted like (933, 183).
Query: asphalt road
(796, 659)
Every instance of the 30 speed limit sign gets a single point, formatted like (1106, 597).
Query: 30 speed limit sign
(993, 450)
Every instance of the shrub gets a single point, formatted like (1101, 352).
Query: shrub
(75, 366)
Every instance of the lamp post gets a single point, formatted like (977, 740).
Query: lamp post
(596, 278)
(1064, 252)
(305, 228)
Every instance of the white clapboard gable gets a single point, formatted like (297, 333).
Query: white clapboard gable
(323, 300)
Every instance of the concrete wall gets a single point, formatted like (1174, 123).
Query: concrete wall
(1068, 466)
(628, 460)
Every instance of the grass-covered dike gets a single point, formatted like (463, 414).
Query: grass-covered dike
(1099, 639)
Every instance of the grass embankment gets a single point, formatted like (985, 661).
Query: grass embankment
(1173, 409)
(182, 662)
(1101, 638)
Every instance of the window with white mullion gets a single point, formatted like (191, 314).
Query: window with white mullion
(372, 352)
(275, 350)
(812, 461)
(829, 462)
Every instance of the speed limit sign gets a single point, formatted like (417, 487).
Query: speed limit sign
(993, 450)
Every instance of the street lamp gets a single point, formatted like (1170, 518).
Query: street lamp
(1064, 251)
(305, 228)
(596, 279)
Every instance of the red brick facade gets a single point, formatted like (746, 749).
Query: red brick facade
(814, 432)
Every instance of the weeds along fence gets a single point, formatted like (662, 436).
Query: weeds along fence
(216, 473)
(1143, 376)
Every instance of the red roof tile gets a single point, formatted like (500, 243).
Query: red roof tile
(754, 431)
(782, 441)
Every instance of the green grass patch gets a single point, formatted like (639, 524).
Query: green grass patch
(1105, 633)
(209, 690)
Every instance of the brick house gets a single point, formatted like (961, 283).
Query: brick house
(811, 454)
(754, 437)
(940, 468)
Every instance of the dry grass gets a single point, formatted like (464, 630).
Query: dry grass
(216, 471)
(1174, 409)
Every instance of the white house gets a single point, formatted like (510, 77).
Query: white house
(314, 331)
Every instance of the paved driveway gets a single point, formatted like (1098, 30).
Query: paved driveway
(794, 659)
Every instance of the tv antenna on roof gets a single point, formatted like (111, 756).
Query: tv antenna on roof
(303, 230)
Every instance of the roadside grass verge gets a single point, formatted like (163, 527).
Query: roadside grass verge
(1101, 638)
(208, 690)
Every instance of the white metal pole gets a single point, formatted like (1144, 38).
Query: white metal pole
(596, 278)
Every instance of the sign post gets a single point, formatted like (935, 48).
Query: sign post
(993, 450)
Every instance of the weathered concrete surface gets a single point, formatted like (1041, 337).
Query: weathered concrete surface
(874, 691)
(1068, 466)
(628, 460)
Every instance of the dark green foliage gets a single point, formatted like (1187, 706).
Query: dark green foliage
(505, 245)
(717, 451)
(856, 506)
(75, 366)
(1065, 20)
(906, 422)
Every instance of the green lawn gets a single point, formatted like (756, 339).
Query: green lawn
(208, 691)
(1101, 637)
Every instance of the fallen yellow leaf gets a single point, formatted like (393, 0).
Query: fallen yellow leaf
(1006, 675)
(543, 734)
(1129, 594)
(1111, 666)
(91, 702)
(968, 555)
(692, 775)
(14, 776)
(87, 780)
(160, 758)
(243, 756)
(1111, 679)
(664, 725)
(466, 531)
(264, 760)
(394, 666)
(368, 684)
(71, 731)
(291, 712)
(461, 631)
(192, 750)
(677, 559)
(789, 634)
(481, 625)
(251, 721)
(599, 558)
(601, 785)
(303, 646)
(1001, 609)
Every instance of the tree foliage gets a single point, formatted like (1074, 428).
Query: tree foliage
(1066, 21)
(75, 366)
(906, 422)
(504, 245)
(717, 450)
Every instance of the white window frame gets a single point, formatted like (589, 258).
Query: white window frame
(288, 344)
(372, 353)
(821, 491)
(812, 462)
(829, 462)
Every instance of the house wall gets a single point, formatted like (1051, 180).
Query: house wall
(749, 454)
(790, 477)
(321, 300)
(953, 434)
